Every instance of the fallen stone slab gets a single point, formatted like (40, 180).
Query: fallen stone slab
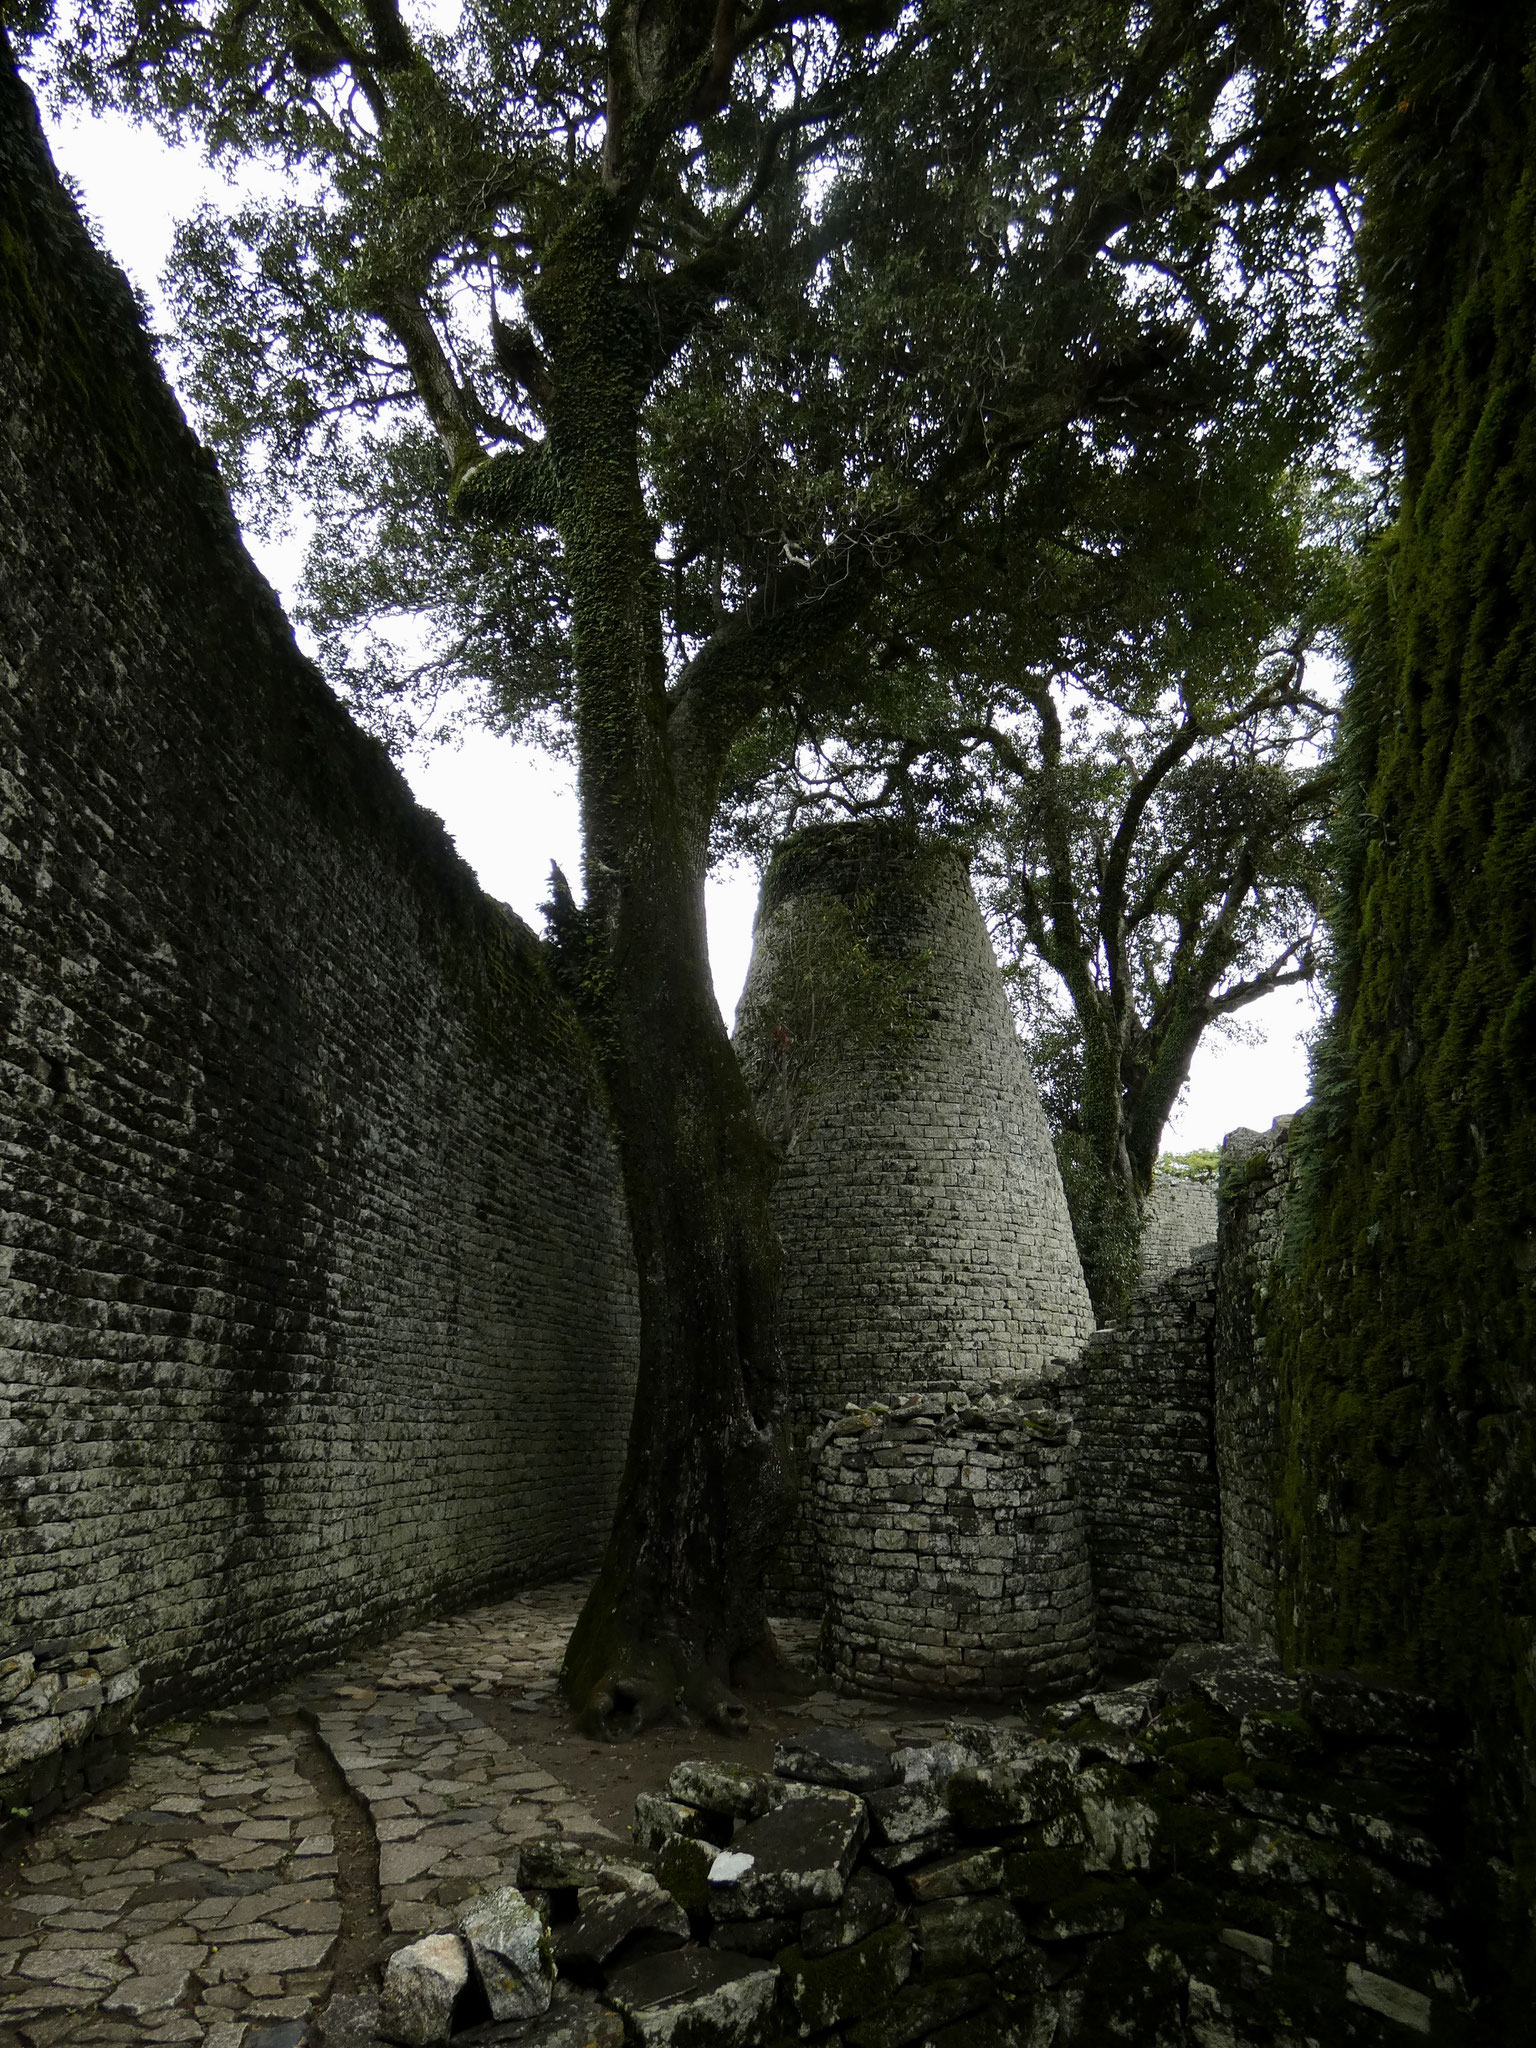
(658, 1819)
(957, 1936)
(921, 2009)
(636, 1923)
(696, 1998)
(761, 1938)
(830, 1990)
(423, 1983)
(801, 1856)
(731, 1791)
(839, 1757)
(574, 2020)
(1232, 1680)
(1393, 2001)
(869, 1901)
(953, 1877)
(510, 1948)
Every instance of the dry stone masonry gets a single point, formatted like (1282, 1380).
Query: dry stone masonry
(1180, 1217)
(318, 1305)
(927, 1243)
(954, 1547)
(1255, 1192)
(1148, 1468)
(66, 1722)
(1164, 1863)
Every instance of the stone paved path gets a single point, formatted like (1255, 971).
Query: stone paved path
(258, 1865)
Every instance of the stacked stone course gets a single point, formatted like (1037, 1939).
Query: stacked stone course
(1148, 1468)
(927, 1242)
(1181, 1217)
(955, 1550)
(317, 1304)
(66, 1722)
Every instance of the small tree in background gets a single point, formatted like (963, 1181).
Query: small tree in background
(1131, 731)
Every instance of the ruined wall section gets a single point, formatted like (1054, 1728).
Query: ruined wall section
(1255, 1190)
(1148, 1468)
(317, 1305)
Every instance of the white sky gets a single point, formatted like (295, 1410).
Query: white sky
(512, 811)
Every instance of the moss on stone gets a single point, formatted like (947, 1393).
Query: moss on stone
(1206, 1762)
(1406, 1337)
(830, 1990)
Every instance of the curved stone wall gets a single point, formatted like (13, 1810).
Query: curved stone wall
(317, 1292)
(955, 1550)
(927, 1242)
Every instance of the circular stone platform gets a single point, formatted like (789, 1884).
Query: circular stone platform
(955, 1549)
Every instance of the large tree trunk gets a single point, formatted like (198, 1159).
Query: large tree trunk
(679, 1600)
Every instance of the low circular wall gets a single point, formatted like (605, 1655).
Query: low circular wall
(955, 1549)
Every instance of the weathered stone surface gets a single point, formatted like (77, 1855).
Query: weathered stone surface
(1256, 1178)
(658, 1819)
(835, 1756)
(973, 1870)
(683, 1867)
(869, 1901)
(733, 1791)
(927, 1239)
(609, 1923)
(422, 1984)
(801, 1857)
(510, 1948)
(849, 1982)
(956, 1936)
(696, 1998)
(954, 1547)
(761, 1938)
(1233, 1680)
(1144, 1393)
(574, 2020)
(921, 2009)
(288, 1190)
(1394, 2001)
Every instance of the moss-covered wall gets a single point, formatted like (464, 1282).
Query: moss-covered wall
(1408, 1361)
(317, 1301)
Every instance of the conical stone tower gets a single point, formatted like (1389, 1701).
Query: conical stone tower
(927, 1243)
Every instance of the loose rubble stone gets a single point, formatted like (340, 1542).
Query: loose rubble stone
(957, 1936)
(869, 1901)
(574, 2020)
(1395, 2001)
(696, 1998)
(800, 1856)
(422, 1984)
(762, 1938)
(634, 1922)
(510, 1947)
(658, 1819)
(835, 1756)
(849, 1982)
(920, 2010)
(975, 1870)
(731, 1791)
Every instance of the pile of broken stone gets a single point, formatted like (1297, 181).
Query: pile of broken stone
(1224, 1855)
